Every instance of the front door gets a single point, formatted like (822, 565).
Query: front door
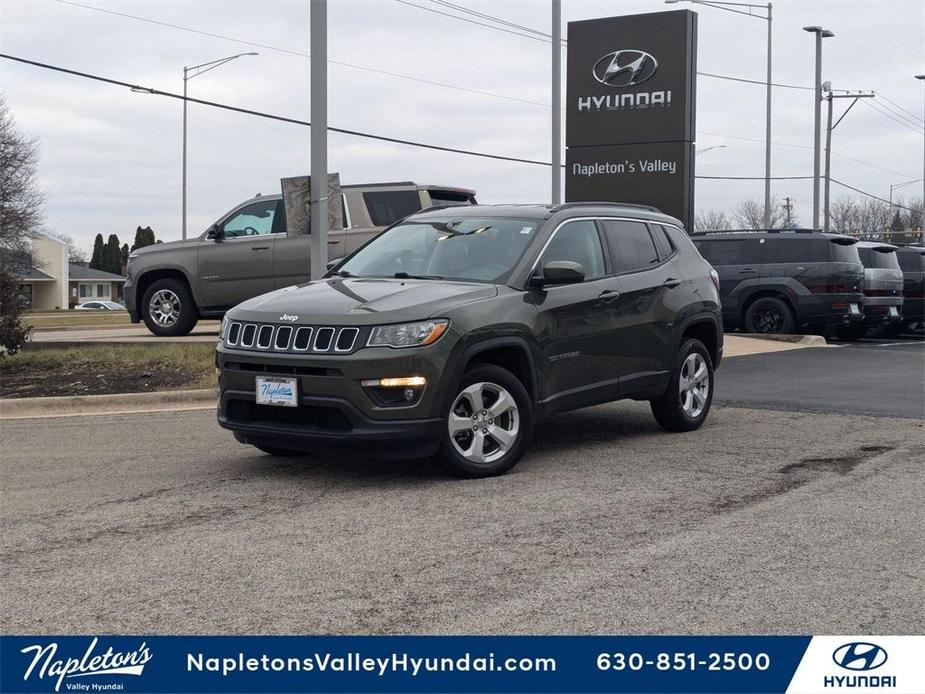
(239, 265)
(574, 320)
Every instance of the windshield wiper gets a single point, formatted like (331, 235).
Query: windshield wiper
(342, 273)
(407, 276)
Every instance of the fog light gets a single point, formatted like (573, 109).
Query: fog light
(394, 391)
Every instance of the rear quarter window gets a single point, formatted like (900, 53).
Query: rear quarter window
(732, 251)
(387, 207)
(795, 250)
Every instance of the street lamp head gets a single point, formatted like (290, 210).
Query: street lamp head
(920, 77)
(812, 29)
(827, 34)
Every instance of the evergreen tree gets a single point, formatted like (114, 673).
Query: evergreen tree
(143, 237)
(125, 253)
(96, 260)
(112, 255)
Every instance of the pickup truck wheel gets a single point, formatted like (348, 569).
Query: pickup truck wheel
(489, 422)
(769, 314)
(168, 309)
(686, 403)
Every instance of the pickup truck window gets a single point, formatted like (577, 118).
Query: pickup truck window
(254, 220)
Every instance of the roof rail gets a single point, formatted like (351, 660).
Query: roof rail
(755, 231)
(592, 203)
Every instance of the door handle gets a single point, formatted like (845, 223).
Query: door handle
(332, 242)
(671, 283)
(260, 248)
(608, 295)
(747, 271)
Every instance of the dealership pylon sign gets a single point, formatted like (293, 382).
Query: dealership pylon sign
(630, 111)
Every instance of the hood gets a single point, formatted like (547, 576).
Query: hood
(167, 246)
(362, 301)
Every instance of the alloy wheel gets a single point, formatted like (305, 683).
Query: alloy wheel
(164, 308)
(769, 320)
(484, 422)
(694, 385)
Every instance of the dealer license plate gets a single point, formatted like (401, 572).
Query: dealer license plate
(893, 312)
(277, 391)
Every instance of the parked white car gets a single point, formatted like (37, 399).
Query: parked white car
(99, 306)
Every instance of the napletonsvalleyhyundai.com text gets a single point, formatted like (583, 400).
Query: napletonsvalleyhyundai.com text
(357, 662)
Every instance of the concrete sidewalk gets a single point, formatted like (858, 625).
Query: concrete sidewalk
(205, 331)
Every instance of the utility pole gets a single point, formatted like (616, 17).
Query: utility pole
(318, 15)
(817, 116)
(922, 77)
(830, 97)
(788, 209)
(556, 197)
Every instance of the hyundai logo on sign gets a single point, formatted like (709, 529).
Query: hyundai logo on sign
(859, 656)
(625, 68)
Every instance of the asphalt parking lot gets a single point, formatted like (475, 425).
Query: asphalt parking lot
(798, 508)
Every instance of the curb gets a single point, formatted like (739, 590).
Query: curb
(123, 403)
(806, 340)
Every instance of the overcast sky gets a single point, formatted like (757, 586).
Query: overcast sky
(110, 158)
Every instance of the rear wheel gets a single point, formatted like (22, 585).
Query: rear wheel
(488, 423)
(168, 309)
(769, 315)
(686, 403)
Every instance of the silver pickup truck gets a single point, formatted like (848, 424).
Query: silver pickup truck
(247, 252)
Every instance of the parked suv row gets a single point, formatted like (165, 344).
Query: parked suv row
(912, 263)
(248, 252)
(782, 281)
(457, 329)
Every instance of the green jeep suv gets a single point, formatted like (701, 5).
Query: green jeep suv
(458, 329)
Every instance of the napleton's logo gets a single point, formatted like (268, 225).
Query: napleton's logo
(859, 656)
(45, 662)
(625, 68)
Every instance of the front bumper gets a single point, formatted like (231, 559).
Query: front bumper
(334, 409)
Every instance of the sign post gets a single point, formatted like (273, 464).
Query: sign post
(630, 111)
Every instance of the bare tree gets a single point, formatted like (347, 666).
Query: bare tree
(749, 214)
(75, 254)
(874, 216)
(711, 220)
(844, 216)
(20, 217)
(910, 213)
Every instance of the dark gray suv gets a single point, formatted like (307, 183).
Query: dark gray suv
(457, 329)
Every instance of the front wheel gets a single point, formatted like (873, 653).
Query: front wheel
(168, 309)
(488, 423)
(686, 403)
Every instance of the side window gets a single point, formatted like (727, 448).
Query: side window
(790, 250)
(662, 242)
(732, 251)
(579, 243)
(631, 246)
(254, 220)
(388, 207)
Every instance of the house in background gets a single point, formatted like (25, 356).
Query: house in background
(54, 283)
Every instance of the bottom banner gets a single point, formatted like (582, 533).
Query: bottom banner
(461, 663)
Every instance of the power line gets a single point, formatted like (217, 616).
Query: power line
(270, 116)
(916, 117)
(879, 109)
(870, 195)
(300, 54)
(482, 15)
(763, 84)
(471, 21)
(898, 114)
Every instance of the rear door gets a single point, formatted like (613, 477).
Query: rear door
(239, 265)
(650, 285)
(737, 261)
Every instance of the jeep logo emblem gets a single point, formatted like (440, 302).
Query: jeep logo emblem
(288, 319)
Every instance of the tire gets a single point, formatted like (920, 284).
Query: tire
(681, 409)
(769, 315)
(480, 389)
(168, 309)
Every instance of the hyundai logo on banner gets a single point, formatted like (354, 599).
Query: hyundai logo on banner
(859, 656)
(625, 68)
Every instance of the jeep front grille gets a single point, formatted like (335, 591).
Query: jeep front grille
(290, 339)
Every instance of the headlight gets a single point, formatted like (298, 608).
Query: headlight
(221, 330)
(415, 334)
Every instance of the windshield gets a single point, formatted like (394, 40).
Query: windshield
(482, 249)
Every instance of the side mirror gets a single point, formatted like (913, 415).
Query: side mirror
(561, 272)
(215, 232)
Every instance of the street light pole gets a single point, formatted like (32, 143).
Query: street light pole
(318, 244)
(922, 77)
(817, 116)
(199, 70)
(731, 7)
(556, 197)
